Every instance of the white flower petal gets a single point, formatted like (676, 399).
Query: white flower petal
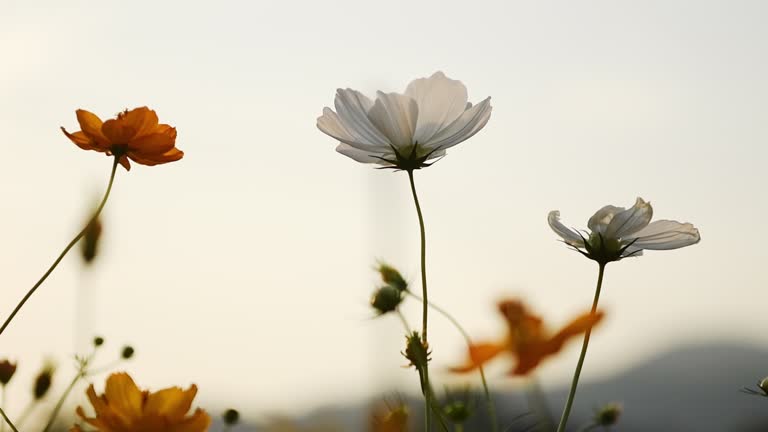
(468, 124)
(598, 223)
(352, 108)
(395, 116)
(441, 101)
(330, 124)
(629, 221)
(570, 236)
(666, 234)
(363, 156)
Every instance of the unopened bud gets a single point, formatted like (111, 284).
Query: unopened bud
(89, 248)
(231, 417)
(43, 381)
(7, 369)
(416, 351)
(392, 277)
(763, 384)
(386, 299)
(127, 352)
(608, 415)
(98, 341)
(457, 412)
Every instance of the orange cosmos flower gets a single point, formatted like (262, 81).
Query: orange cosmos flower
(125, 408)
(134, 135)
(528, 340)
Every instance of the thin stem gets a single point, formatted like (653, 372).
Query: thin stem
(27, 411)
(2, 407)
(575, 383)
(425, 308)
(7, 420)
(538, 403)
(455, 322)
(66, 249)
(61, 400)
(404, 321)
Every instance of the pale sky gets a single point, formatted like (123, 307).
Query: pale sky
(246, 266)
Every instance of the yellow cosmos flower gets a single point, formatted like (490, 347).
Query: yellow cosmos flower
(528, 339)
(134, 134)
(125, 408)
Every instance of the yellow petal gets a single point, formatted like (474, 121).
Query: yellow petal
(123, 396)
(173, 403)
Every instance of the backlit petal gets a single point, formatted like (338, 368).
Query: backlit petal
(666, 234)
(441, 101)
(364, 156)
(154, 143)
(352, 108)
(90, 125)
(331, 124)
(395, 116)
(171, 402)
(570, 236)
(469, 123)
(598, 223)
(629, 221)
(142, 119)
(123, 396)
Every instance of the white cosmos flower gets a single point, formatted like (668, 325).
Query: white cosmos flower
(617, 233)
(404, 131)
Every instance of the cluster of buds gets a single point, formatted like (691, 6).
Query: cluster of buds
(388, 297)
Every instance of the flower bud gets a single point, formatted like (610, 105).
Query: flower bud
(127, 352)
(608, 415)
(386, 299)
(98, 341)
(392, 277)
(416, 351)
(43, 381)
(231, 417)
(763, 384)
(89, 247)
(457, 412)
(7, 369)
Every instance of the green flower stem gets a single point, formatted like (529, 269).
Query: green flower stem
(455, 322)
(458, 427)
(2, 407)
(7, 420)
(66, 249)
(538, 403)
(60, 403)
(425, 308)
(575, 383)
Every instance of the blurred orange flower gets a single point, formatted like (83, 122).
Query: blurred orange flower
(528, 340)
(125, 408)
(134, 135)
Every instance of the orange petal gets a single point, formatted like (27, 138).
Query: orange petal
(169, 156)
(80, 139)
(199, 422)
(123, 396)
(125, 163)
(173, 403)
(91, 125)
(143, 120)
(118, 131)
(478, 355)
(578, 326)
(154, 143)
